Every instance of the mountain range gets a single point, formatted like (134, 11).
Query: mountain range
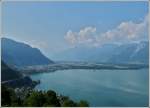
(107, 53)
(21, 54)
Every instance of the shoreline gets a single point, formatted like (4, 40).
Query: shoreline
(86, 66)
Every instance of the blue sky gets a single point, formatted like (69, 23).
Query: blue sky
(56, 26)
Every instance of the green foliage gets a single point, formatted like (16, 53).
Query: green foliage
(37, 99)
(9, 97)
(83, 103)
(69, 103)
(8, 74)
(51, 99)
(6, 97)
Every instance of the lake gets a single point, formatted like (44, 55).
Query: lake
(99, 87)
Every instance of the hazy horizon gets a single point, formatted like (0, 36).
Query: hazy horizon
(56, 26)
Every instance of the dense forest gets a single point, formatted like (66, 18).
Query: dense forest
(32, 98)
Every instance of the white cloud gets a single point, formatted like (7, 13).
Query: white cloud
(85, 35)
(71, 37)
(124, 32)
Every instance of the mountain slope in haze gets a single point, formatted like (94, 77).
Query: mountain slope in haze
(131, 53)
(88, 54)
(8, 74)
(21, 54)
(108, 53)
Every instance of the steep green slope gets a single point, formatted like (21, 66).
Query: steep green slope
(8, 73)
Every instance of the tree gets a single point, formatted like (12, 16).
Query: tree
(83, 103)
(51, 99)
(69, 103)
(35, 99)
(6, 96)
(9, 97)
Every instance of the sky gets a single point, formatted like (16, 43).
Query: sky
(56, 26)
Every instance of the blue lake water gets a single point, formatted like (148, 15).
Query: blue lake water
(99, 87)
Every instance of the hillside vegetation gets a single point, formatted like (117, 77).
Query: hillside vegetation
(32, 98)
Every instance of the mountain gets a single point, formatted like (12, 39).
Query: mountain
(131, 53)
(88, 54)
(21, 54)
(108, 53)
(8, 74)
